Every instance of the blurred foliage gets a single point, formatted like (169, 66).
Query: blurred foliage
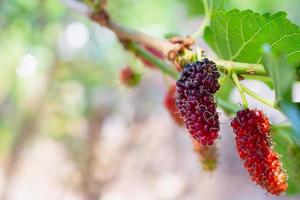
(279, 69)
(290, 155)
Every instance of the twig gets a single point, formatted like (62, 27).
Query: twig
(238, 85)
(241, 68)
(168, 49)
(258, 97)
(163, 66)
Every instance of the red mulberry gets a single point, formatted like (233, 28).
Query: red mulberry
(254, 146)
(207, 154)
(195, 101)
(129, 77)
(170, 104)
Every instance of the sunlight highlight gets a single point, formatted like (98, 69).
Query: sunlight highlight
(28, 66)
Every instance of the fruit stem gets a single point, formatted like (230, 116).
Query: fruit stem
(227, 105)
(257, 97)
(160, 64)
(200, 31)
(239, 87)
(169, 50)
(199, 53)
(282, 126)
(241, 68)
(264, 79)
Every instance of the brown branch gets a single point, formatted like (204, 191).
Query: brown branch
(170, 50)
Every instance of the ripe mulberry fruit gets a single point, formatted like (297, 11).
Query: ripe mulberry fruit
(254, 146)
(207, 154)
(170, 104)
(129, 77)
(195, 101)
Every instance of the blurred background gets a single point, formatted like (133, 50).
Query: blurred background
(69, 130)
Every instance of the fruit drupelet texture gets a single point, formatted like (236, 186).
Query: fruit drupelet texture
(195, 101)
(252, 134)
(170, 104)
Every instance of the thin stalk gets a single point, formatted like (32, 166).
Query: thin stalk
(160, 64)
(200, 31)
(260, 78)
(281, 126)
(205, 4)
(228, 105)
(241, 68)
(239, 86)
(199, 54)
(257, 97)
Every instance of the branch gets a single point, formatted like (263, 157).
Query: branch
(257, 97)
(239, 87)
(241, 68)
(163, 66)
(169, 50)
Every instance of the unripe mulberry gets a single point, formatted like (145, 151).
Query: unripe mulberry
(254, 146)
(129, 77)
(195, 101)
(170, 104)
(208, 155)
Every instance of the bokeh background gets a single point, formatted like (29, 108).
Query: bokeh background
(69, 130)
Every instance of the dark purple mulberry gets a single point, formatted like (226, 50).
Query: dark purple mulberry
(195, 101)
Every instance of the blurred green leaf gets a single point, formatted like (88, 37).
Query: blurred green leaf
(290, 156)
(197, 7)
(239, 35)
(279, 69)
(283, 75)
(194, 7)
(224, 93)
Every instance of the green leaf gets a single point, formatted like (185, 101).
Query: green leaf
(223, 95)
(194, 7)
(279, 69)
(290, 152)
(283, 75)
(292, 112)
(240, 35)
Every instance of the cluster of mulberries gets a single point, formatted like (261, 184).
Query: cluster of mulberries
(252, 134)
(170, 104)
(207, 154)
(195, 100)
(128, 77)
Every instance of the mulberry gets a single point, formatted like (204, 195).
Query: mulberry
(195, 101)
(170, 104)
(254, 146)
(207, 154)
(129, 77)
